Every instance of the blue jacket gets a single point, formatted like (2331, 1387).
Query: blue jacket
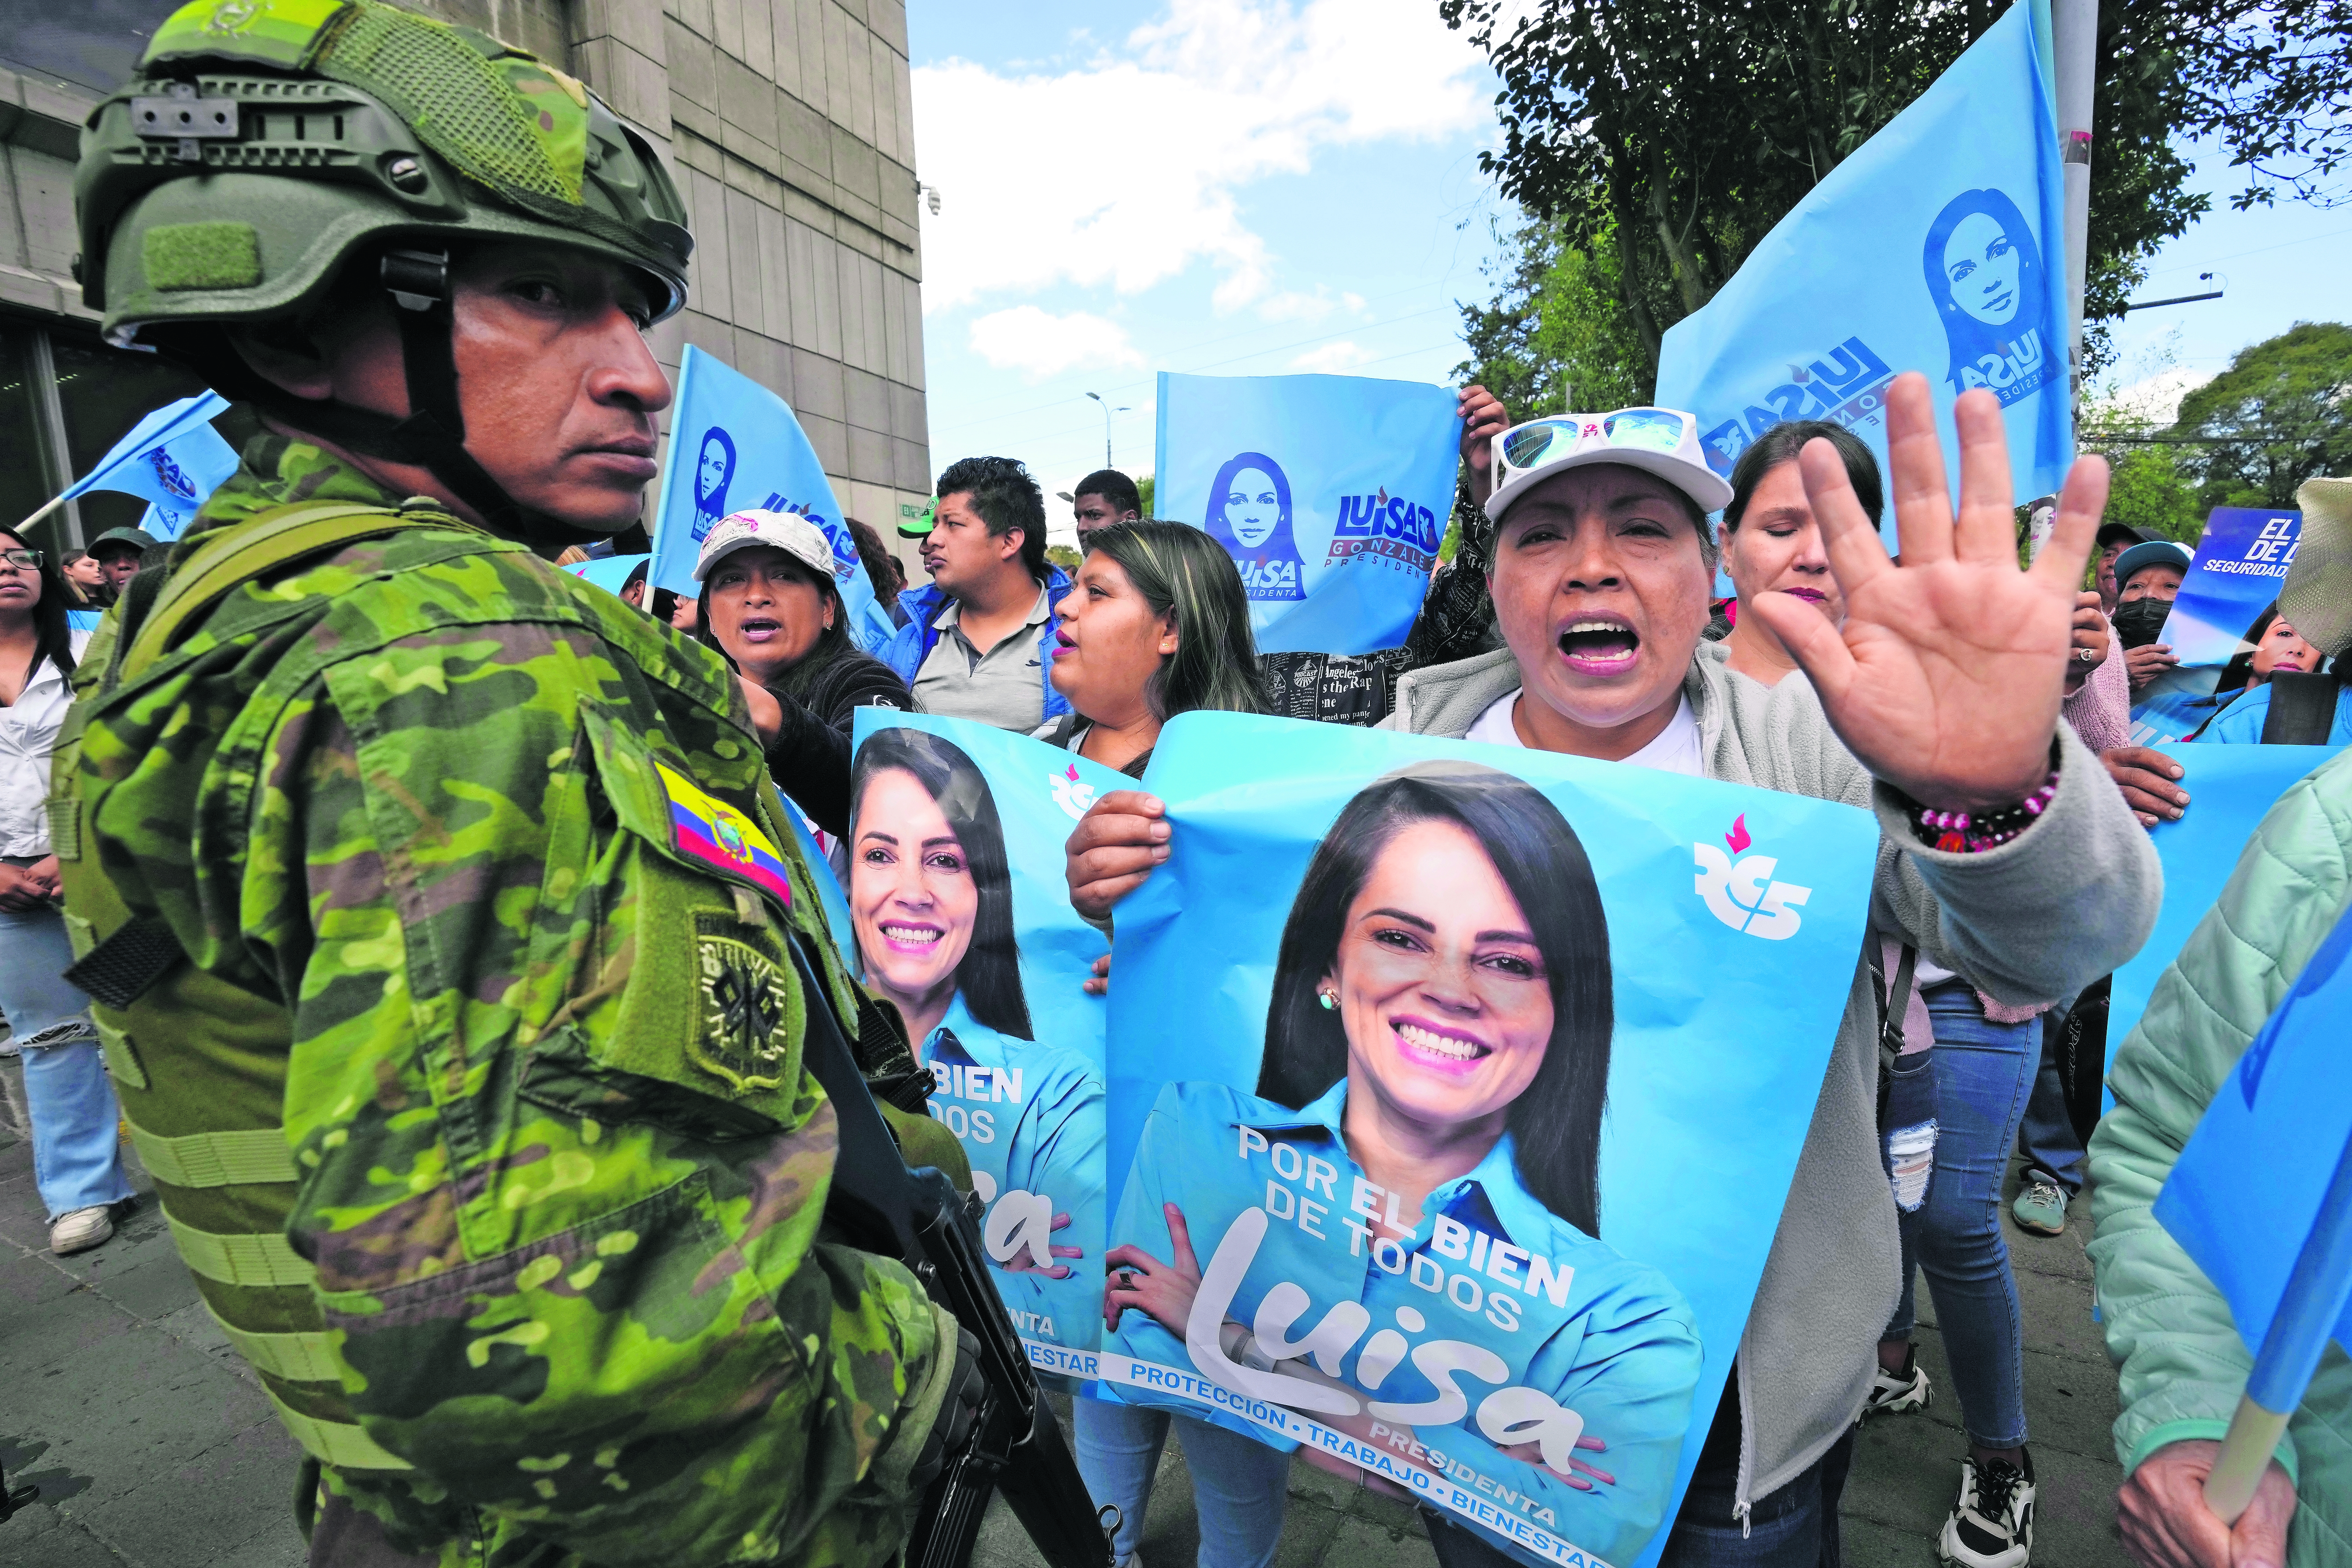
(1518, 1321)
(2240, 724)
(906, 651)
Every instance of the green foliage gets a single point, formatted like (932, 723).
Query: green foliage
(1557, 334)
(1064, 556)
(2150, 492)
(2279, 415)
(1145, 487)
(1659, 143)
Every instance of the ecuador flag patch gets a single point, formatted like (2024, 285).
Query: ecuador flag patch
(722, 837)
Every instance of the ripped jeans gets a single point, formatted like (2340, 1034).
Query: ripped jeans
(1983, 1074)
(76, 1157)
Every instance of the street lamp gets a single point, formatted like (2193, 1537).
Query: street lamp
(1107, 411)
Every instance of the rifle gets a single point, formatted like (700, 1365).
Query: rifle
(1015, 1446)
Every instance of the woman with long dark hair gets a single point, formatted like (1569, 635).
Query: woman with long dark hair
(1155, 624)
(76, 1157)
(1249, 515)
(1430, 1103)
(930, 900)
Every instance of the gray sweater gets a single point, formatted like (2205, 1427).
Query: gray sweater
(2031, 922)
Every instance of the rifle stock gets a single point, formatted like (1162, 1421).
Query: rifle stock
(917, 1216)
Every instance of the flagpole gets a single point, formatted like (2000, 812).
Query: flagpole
(45, 508)
(2074, 50)
(2299, 1332)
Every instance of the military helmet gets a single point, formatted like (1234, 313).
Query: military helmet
(262, 142)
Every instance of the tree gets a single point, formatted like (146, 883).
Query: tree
(1144, 489)
(2274, 86)
(1669, 138)
(2279, 415)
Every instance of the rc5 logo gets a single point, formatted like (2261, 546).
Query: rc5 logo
(1741, 894)
(1069, 794)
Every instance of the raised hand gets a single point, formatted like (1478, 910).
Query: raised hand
(1483, 417)
(1946, 678)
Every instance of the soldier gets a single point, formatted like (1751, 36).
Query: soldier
(452, 960)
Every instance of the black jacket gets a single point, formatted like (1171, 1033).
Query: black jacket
(810, 760)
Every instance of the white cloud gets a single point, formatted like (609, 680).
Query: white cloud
(1125, 171)
(1291, 305)
(1027, 339)
(2158, 398)
(1331, 358)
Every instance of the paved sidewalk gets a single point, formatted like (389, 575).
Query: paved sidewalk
(153, 1446)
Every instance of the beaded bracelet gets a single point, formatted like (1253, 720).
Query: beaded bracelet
(1973, 833)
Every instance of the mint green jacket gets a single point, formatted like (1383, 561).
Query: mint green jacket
(2182, 1365)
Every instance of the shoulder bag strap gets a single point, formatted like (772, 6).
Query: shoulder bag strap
(2302, 710)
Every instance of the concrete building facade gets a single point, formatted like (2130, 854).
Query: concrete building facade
(787, 126)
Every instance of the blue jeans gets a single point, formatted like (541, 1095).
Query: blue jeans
(77, 1153)
(1984, 1074)
(1240, 1485)
(1795, 1527)
(2047, 1139)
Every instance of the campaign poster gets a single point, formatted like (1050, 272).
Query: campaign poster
(734, 445)
(2234, 583)
(1330, 492)
(1936, 246)
(1455, 1093)
(2231, 790)
(961, 917)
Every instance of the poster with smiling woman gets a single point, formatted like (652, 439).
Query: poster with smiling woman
(1456, 1091)
(959, 918)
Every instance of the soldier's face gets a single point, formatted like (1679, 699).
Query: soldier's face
(557, 385)
(912, 898)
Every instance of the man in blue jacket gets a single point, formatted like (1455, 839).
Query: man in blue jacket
(974, 644)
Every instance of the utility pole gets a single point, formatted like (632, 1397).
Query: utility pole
(2074, 49)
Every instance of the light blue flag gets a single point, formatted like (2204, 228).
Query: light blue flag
(2279, 1131)
(1935, 246)
(2230, 789)
(734, 445)
(610, 572)
(1638, 975)
(173, 459)
(1330, 492)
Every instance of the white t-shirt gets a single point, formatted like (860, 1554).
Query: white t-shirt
(1674, 749)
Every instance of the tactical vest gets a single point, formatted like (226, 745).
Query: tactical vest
(206, 1112)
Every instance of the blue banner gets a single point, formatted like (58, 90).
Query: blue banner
(1330, 492)
(961, 917)
(2287, 1113)
(734, 445)
(2230, 789)
(610, 572)
(173, 459)
(1830, 306)
(1364, 1023)
(2241, 561)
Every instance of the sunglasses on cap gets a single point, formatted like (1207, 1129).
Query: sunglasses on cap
(1531, 445)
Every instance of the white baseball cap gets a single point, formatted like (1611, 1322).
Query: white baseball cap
(795, 535)
(1663, 442)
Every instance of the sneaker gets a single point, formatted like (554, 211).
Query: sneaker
(1899, 1391)
(1992, 1524)
(81, 1230)
(2041, 1206)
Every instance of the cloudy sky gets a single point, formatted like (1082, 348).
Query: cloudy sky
(1258, 187)
(1241, 186)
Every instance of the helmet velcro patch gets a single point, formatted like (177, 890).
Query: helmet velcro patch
(183, 255)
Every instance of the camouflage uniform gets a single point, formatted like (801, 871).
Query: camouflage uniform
(411, 811)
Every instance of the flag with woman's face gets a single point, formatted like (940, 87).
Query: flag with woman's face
(1936, 246)
(1331, 493)
(735, 446)
(1454, 1093)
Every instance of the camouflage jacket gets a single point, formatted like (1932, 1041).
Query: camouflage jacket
(561, 1171)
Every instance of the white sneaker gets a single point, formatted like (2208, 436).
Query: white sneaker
(81, 1230)
(1893, 1391)
(1992, 1524)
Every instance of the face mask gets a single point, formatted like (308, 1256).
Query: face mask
(2140, 622)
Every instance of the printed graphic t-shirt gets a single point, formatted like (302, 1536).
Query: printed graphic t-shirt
(1674, 751)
